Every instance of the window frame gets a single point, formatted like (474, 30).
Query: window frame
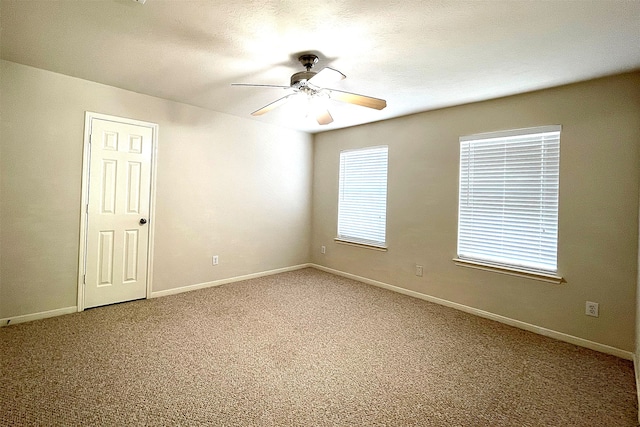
(489, 262)
(342, 212)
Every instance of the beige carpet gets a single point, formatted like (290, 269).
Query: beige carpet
(304, 348)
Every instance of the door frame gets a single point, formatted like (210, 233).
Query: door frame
(86, 153)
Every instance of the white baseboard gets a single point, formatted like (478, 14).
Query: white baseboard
(36, 316)
(66, 310)
(603, 348)
(204, 285)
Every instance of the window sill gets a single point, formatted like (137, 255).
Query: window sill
(543, 277)
(360, 245)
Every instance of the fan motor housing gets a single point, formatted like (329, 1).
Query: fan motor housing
(297, 78)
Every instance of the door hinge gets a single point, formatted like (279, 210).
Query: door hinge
(84, 279)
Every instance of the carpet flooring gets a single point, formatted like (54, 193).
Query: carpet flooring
(303, 348)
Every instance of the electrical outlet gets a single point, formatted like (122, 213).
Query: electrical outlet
(323, 249)
(214, 261)
(591, 309)
(418, 270)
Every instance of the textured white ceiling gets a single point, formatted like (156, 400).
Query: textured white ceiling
(416, 54)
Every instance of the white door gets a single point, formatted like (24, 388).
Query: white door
(117, 236)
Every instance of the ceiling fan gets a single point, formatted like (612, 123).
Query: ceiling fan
(311, 84)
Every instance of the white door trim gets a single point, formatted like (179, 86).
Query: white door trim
(89, 116)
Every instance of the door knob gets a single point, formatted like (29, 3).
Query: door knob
(143, 221)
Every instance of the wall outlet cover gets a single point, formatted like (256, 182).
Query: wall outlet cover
(591, 309)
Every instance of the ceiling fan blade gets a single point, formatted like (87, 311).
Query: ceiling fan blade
(326, 76)
(271, 106)
(353, 98)
(324, 117)
(252, 85)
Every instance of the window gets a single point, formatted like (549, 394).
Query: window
(362, 196)
(508, 207)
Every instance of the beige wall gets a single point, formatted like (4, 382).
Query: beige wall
(598, 214)
(225, 186)
(243, 190)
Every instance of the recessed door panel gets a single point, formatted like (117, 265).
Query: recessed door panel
(108, 188)
(133, 187)
(119, 197)
(110, 141)
(131, 256)
(105, 259)
(135, 144)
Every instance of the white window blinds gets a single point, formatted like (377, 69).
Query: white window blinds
(508, 208)
(362, 202)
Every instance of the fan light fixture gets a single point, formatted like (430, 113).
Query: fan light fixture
(312, 85)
